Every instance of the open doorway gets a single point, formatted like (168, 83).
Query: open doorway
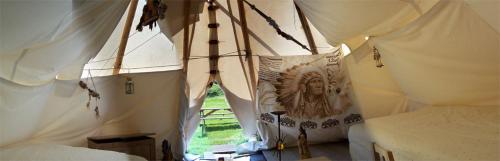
(218, 126)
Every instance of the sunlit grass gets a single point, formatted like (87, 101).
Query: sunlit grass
(215, 102)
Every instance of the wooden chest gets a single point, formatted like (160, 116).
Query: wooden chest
(139, 144)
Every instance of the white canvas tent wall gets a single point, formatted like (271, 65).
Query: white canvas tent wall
(118, 111)
(436, 53)
(41, 65)
(423, 57)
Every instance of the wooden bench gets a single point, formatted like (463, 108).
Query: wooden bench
(209, 114)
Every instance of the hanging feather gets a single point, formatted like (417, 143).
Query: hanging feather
(376, 57)
(151, 12)
(96, 110)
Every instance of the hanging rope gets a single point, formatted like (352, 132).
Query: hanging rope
(127, 53)
(159, 66)
(276, 26)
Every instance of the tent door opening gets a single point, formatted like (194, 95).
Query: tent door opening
(219, 130)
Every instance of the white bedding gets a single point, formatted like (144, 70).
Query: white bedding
(51, 152)
(432, 133)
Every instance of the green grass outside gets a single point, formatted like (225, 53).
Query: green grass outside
(223, 131)
(215, 102)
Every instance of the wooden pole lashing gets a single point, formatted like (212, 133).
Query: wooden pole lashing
(213, 46)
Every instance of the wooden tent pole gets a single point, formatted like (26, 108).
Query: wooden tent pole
(213, 40)
(185, 46)
(248, 50)
(244, 28)
(307, 30)
(124, 39)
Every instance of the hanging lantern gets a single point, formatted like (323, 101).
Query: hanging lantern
(129, 86)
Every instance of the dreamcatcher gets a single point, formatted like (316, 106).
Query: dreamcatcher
(92, 94)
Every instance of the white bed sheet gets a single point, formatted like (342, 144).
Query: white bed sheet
(432, 133)
(52, 152)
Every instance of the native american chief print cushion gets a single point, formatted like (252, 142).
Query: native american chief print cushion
(313, 90)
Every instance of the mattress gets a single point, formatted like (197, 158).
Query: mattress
(51, 152)
(431, 133)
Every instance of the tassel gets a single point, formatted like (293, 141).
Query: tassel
(96, 109)
(376, 57)
(88, 102)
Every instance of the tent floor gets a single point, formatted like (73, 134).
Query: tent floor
(336, 151)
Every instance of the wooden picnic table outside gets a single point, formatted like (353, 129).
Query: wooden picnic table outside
(206, 112)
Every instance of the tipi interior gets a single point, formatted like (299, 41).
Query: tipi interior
(308, 79)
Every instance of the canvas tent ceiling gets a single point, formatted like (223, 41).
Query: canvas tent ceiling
(146, 51)
(436, 53)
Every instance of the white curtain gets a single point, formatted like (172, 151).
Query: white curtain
(342, 21)
(57, 112)
(58, 40)
(374, 90)
(447, 57)
(61, 35)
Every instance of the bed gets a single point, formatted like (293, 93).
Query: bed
(52, 152)
(431, 133)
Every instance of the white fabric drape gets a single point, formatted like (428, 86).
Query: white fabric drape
(374, 90)
(58, 40)
(237, 85)
(350, 21)
(57, 112)
(35, 107)
(447, 57)
(37, 47)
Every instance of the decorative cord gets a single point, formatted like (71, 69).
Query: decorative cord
(275, 25)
